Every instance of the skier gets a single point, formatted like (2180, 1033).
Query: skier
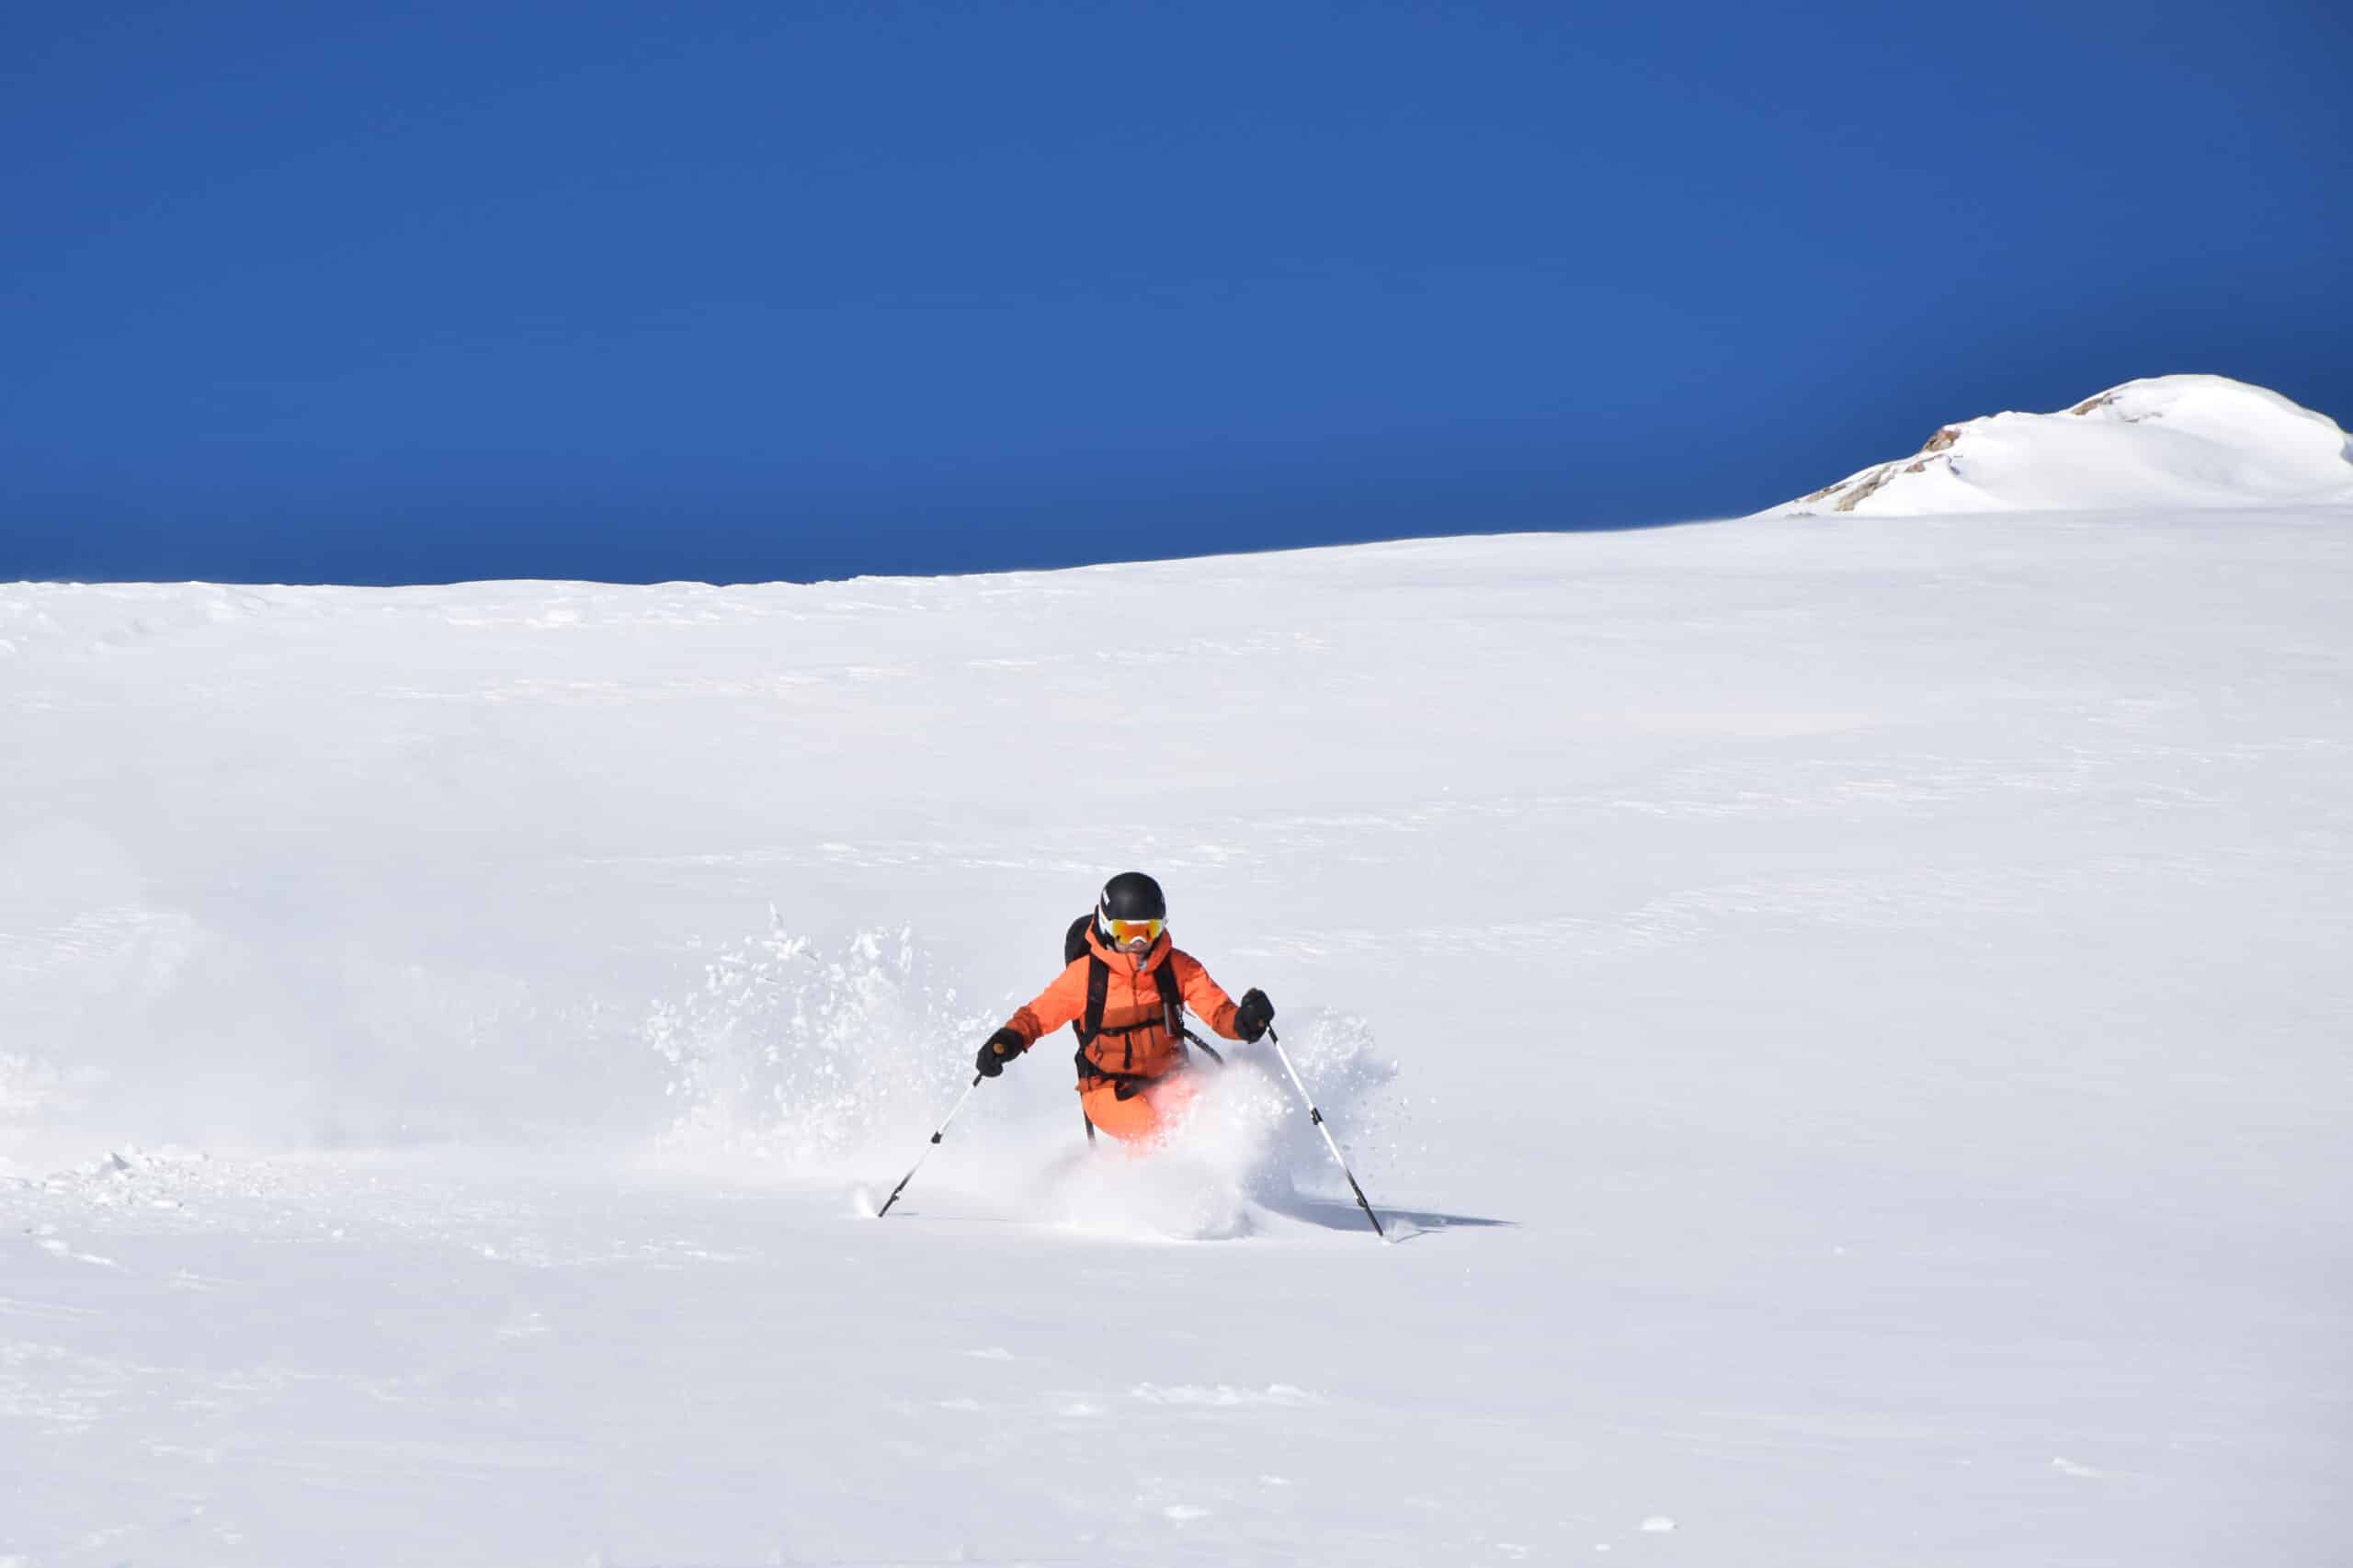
(1126, 992)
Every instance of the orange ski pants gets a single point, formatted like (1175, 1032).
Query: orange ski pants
(1144, 1117)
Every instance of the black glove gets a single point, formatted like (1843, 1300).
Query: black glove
(1002, 1047)
(1251, 1018)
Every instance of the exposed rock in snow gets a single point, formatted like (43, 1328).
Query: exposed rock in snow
(2166, 441)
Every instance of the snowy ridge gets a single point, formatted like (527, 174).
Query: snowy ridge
(2166, 441)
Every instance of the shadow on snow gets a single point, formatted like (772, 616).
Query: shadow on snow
(1335, 1214)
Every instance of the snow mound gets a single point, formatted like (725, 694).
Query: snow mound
(2172, 441)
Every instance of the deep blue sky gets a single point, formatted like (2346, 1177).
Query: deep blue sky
(746, 290)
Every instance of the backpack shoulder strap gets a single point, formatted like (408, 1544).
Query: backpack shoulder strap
(1098, 982)
(1172, 995)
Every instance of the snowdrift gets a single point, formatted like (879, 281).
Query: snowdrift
(2166, 441)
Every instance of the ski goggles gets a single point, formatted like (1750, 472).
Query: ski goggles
(1126, 931)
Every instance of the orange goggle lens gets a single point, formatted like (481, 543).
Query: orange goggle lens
(1126, 931)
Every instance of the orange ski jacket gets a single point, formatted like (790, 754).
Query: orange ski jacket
(1139, 1039)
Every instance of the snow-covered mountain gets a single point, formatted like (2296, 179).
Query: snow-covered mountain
(1848, 1024)
(2166, 441)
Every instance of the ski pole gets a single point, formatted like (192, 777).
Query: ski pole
(1316, 1117)
(1210, 1049)
(927, 1148)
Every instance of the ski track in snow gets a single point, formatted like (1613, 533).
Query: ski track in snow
(1843, 1020)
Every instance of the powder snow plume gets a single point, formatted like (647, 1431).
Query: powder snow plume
(802, 1053)
(830, 1060)
(1248, 1151)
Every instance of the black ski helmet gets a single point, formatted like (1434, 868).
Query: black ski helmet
(1130, 895)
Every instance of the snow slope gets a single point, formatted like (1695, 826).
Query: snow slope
(2167, 442)
(1849, 1023)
